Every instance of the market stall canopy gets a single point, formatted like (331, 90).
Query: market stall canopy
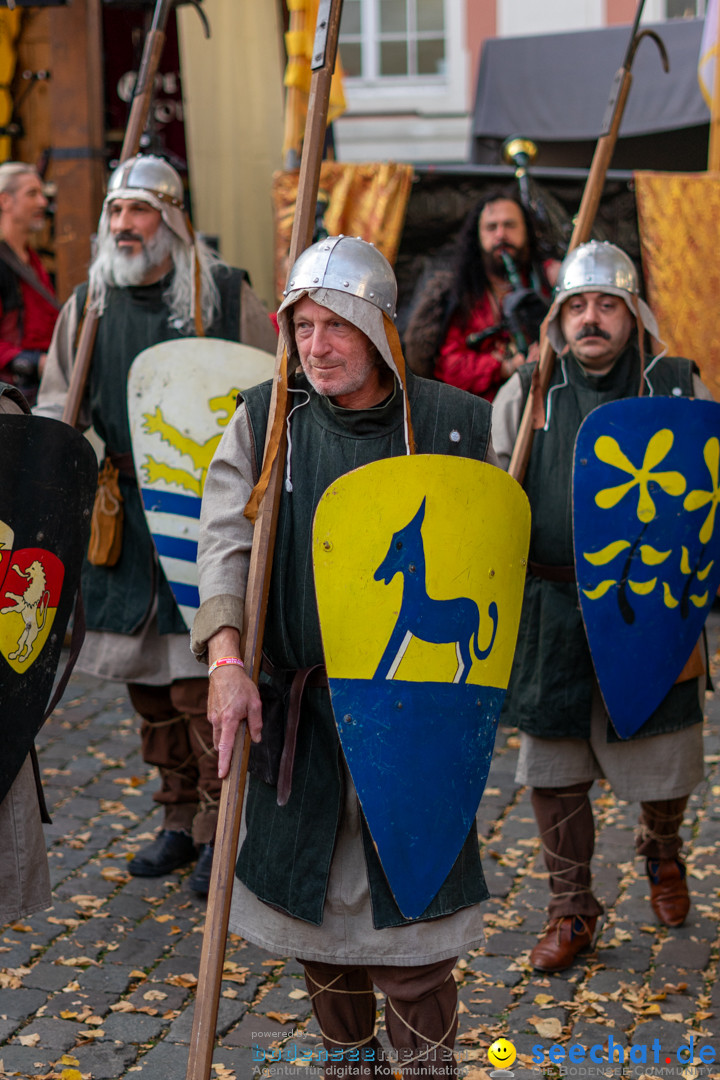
(554, 88)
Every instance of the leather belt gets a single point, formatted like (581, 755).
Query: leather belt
(123, 463)
(301, 680)
(552, 573)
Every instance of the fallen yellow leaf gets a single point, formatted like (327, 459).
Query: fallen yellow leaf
(547, 1026)
(282, 1018)
(29, 1040)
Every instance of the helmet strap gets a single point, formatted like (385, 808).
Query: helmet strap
(272, 446)
(393, 339)
(641, 343)
(195, 284)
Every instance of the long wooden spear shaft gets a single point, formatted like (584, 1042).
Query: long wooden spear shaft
(581, 232)
(142, 97)
(202, 1039)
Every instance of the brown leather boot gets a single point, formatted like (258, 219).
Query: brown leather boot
(669, 894)
(564, 939)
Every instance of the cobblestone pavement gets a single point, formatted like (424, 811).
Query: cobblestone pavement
(102, 984)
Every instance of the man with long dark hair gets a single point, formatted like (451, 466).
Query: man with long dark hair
(474, 320)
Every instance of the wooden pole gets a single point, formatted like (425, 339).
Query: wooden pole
(75, 134)
(142, 97)
(207, 998)
(581, 234)
(714, 144)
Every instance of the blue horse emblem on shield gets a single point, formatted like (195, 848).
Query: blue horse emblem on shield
(439, 621)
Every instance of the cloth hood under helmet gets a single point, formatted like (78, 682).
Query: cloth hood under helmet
(350, 277)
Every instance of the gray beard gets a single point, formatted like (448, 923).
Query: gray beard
(125, 271)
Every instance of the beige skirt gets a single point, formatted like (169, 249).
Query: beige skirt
(347, 934)
(24, 876)
(639, 770)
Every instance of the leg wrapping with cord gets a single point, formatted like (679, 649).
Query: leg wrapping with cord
(567, 830)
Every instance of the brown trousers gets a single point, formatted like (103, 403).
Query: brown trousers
(176, 737)
(567, 830)
(420, 1018)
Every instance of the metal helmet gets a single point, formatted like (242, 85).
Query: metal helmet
(153, 180)
(348, 265)
(351, 277)
(597, 267)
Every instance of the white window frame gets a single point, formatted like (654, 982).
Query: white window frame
(447, 93)
(656, 10)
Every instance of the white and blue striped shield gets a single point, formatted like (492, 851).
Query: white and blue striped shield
(181, 396)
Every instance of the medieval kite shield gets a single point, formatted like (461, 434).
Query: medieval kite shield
(49, 474)
(646, 489)
(419, 572)
(181, 396)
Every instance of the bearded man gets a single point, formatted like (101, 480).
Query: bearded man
(458, 331)
(152, 280)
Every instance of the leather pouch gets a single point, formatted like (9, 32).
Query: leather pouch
(107, 519)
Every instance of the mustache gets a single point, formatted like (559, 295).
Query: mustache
(592, 330)
(127, 235)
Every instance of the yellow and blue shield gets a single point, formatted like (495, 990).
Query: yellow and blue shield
(181, 397)
(419, 571)
(646, 488)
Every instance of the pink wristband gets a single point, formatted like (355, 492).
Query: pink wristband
(225, 660)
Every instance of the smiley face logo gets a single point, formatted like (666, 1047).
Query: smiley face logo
(501, 1054)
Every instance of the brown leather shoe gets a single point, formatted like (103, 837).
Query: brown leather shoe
(564, 939)
(669, 894)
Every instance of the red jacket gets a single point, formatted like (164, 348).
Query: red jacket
(29, 325)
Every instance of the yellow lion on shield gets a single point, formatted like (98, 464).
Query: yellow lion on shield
(31, 607)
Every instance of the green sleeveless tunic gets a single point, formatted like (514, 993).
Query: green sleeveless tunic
(285, 859)
(551, 685)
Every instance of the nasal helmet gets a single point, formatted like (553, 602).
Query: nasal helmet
(153, 180)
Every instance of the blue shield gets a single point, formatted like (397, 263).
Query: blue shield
(646, 489)
(419, 572)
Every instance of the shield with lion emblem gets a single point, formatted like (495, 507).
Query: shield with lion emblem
(46, 495)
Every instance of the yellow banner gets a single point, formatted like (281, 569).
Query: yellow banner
(299, 47)
(676, 216)
(9, 30)
(367, 200)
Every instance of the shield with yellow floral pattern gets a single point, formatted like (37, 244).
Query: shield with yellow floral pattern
(419, 567)
(646, 488)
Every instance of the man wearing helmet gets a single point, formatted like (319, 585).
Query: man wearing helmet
(151, 280)
(597, 326)
(309, 880)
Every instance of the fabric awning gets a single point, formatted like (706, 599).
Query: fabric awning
(554, 88)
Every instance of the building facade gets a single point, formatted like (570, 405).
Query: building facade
(412, 65)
